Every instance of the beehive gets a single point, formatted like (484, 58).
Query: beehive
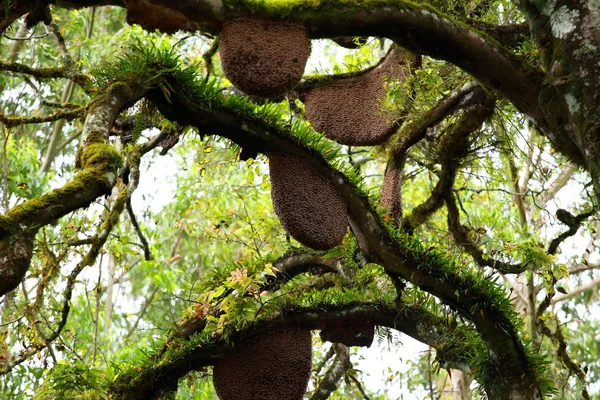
(352, 110)
(275, 366)
(262, 57)
(308, 206)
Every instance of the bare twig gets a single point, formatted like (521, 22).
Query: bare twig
(558, 339)
(594, 283)
(138, 230)
(208, 56)
(5, 135)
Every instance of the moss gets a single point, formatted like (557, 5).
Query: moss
(58, 198)
(284, 8)
(101, 156)
(274, 8)
(5, 225)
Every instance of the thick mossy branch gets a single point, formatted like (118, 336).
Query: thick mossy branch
(476, 297)
(416, 27)
(454, 346)
(99, 161)
(97, 158)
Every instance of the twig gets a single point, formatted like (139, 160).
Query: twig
(330, 353)
(141, 313)
(5, 135)
(578, 290)
(359, 386)
(95, 318)
(54, 29)
(339, 366)
(461, 236)
(208, 55)
(138, 230)
(558, 339)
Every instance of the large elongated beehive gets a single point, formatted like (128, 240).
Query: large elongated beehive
(308, 206)
(352, 110)
(275, 366)
(263, 57)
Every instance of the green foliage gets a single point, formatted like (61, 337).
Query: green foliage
(22, 177)
(73, 381)
(215, 240)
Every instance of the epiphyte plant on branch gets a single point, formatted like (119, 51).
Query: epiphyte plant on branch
(422, 188)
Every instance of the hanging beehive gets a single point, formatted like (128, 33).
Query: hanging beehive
(274, 366)
(308, 206)
(262, 57)
(352, 110)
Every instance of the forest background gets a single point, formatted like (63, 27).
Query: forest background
(493, 220)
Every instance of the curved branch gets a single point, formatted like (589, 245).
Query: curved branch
(574, 223)
(411, 134)
(138, 231)
(418, 28)
(478, 299)
(558, 339)
(453, 146)
(461, 237)
(453, 345)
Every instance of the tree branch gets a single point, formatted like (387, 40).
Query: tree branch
(558, 339)
(594, 283)
(462, 238)
(99, 162)
(329, 383)
(453, 147)
(97, 244)
(418, 28)
(414, 321)
(401, 257)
